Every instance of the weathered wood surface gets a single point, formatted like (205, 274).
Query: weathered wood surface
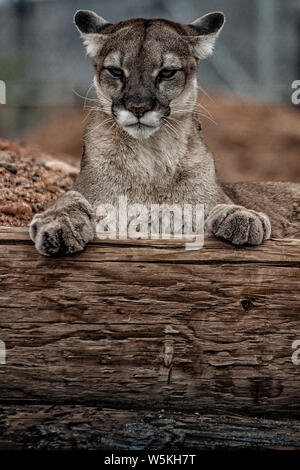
(89, 427)
(148, 325)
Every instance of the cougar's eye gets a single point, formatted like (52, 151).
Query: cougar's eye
(115, 72)
(167, 73)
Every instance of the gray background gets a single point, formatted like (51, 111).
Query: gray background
(42, 59)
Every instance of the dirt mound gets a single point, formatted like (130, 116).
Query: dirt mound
(30, 180)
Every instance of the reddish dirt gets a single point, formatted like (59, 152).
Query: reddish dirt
(30, 181)
(254, 142)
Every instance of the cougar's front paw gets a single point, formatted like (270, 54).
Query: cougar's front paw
(63, 229)
(59, 236)
(238, 225)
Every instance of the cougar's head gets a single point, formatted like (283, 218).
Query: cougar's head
(145, 70)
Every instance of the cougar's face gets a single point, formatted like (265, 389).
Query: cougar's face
(139, 74)
(145, 70)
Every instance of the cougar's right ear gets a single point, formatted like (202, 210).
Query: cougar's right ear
(206, 31)
(92, 29)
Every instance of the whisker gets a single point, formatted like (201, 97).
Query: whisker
(196, 113)
(99, 125)
(87, 115)
(170, 127)
(173, 126)
(84, 97)
(87, 93)
(96, 108)
(205, 93)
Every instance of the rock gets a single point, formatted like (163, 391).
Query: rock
(9, 167)
(21, 181)
(16, 208)
(5, 156)
(37, 208)
(63, 167)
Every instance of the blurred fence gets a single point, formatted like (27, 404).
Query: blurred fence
(42, 59)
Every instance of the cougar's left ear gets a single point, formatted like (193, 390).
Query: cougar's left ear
(93, 30)
(206, 30)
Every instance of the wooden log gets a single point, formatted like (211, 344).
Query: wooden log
(147, 325)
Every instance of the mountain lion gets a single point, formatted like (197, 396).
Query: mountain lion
(144, 140)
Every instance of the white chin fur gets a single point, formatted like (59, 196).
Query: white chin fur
(149, 123)
(138, 131)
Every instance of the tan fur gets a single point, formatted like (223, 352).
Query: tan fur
(281, 201)
(144, 140)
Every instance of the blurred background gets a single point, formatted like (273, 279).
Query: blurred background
(249, 120)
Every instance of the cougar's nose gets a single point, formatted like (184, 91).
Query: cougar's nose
(138, 110)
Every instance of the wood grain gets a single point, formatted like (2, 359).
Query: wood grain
(146, 325)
